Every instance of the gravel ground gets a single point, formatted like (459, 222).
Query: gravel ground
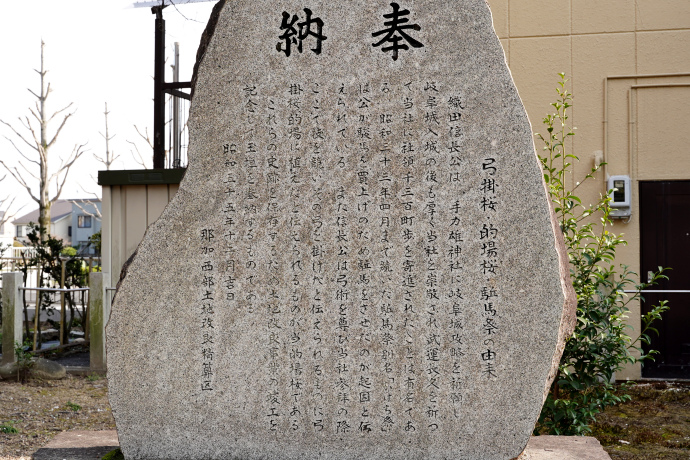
(38, 410)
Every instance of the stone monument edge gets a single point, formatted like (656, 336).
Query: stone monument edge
(569, 310)
(206, 37)
(569, 315)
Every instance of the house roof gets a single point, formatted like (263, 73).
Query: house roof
(59, 210)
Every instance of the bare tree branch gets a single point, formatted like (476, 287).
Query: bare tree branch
(17, 176)
(77, 152)
(41, 145)
(28, 126)
(145, 137)
(137, 156)
(20, 152)
(57, 133)
(60, 111)
(17, 133)
(28, 171)
(95, 213)
(109, 157)
(7, 215)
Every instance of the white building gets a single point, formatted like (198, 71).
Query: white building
(72, 221)
(6, 232)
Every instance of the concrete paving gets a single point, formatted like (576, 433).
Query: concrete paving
(93, 445)
(79, 445)
(564, 448)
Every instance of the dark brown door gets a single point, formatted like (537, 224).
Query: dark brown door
(665, 241)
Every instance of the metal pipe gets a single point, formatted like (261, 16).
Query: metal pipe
(53, 289)
(662, 85)
(648, 75)
(606, 106)
(632, 98)
(631, 136)
(158, 94)
(176, 111)
(85, 318)
(63, 313)
(37, 312)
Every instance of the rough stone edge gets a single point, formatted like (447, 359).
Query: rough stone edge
(205, 40)
(569, 310)
(569, 315)
(201, 52)
(206, 37)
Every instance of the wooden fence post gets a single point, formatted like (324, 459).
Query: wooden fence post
(98, 318)
(12, 327)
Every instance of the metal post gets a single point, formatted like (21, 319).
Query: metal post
(11, 315)
(98, 318)
(63, 313)
(88, 301)
(176, 111)
(37, 312)
(159, 95)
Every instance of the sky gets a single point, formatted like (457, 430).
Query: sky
(96, 52)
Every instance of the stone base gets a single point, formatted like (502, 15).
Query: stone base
(79, 445)
(564, 448)
(93, 445)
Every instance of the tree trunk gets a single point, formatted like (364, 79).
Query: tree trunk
(44, 198)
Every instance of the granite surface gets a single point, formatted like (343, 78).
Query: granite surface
(361, 260)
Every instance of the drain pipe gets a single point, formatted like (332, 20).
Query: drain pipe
(630, 105)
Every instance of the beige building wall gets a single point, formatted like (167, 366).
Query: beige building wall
(128, 210)
(629, 67)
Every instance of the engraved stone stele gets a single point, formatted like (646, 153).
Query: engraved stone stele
(361, 260)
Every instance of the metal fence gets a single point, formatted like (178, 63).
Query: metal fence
(15, 264)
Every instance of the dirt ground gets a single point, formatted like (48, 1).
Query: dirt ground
(32, 413)
(654, 425)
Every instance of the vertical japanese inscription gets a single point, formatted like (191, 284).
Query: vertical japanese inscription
(359, 283)
(488, 266)
(207, 313)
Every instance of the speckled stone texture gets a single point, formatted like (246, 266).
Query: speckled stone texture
(361, 261)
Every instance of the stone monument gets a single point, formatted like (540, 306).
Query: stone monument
(361, 260)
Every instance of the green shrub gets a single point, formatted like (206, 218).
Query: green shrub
(600, 345)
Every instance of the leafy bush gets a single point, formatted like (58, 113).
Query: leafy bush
(600, 345)
(95, 241)
(50, 253)
(68, 251)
